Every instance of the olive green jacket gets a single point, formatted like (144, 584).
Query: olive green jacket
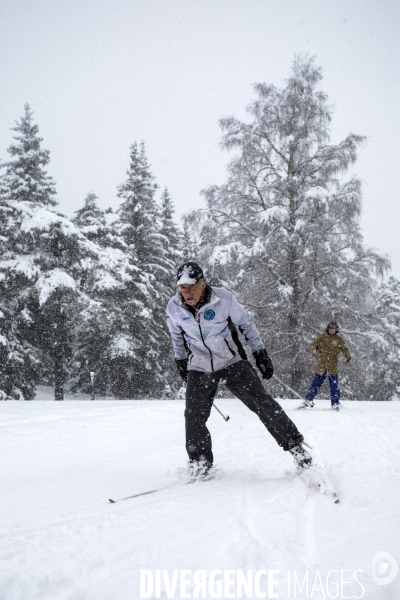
(329, 347)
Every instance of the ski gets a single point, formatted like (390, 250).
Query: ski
(302, 406)
(316, 409)
(165, 487)
(147, 492)
(315, 477)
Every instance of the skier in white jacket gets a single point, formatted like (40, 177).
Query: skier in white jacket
(202, 321)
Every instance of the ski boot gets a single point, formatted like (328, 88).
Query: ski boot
(301, 457)
(199, 470)
(335, 406)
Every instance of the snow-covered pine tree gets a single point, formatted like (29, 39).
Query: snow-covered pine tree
(139, 352)
(383, 352)
(90, 218)
(91, 347)
(284, 229)
(64, 262)
(46, 269)
(99, 325)
(172, 239)
(193, 232)
(26, 183)
(25, 177)
(19, 372)
(138, 213)
(38, 293)
(71, 273)
(110, 337)
(97, 225)
(95, 326)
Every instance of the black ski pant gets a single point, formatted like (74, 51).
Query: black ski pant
(242, 380)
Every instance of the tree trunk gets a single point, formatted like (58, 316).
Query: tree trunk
(293, 316)
(59, 353)
(59, 372)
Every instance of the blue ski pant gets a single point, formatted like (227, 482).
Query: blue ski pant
(318, 381)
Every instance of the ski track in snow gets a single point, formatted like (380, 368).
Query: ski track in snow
(61, 461)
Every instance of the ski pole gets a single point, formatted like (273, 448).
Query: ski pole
(226, 418)
(288, 387)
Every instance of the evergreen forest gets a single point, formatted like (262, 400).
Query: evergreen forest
(87, 294)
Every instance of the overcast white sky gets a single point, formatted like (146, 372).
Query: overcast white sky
(101, 74)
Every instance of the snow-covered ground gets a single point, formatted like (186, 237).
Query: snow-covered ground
(61, 539)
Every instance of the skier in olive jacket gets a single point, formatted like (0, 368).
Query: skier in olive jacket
(202, 321)
(329, 345)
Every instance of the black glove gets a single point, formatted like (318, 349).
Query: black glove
(181, 365)
(348, 360)
(264, 363)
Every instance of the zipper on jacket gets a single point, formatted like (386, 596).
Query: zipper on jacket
(202, 339)
(230, 349)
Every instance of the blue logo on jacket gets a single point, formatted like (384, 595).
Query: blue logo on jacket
(209, 315)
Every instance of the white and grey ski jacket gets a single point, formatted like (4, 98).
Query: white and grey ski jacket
(205, 338)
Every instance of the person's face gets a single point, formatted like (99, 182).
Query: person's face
(192, 294)
(332, 330)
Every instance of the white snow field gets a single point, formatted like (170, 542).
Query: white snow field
(62, 539)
